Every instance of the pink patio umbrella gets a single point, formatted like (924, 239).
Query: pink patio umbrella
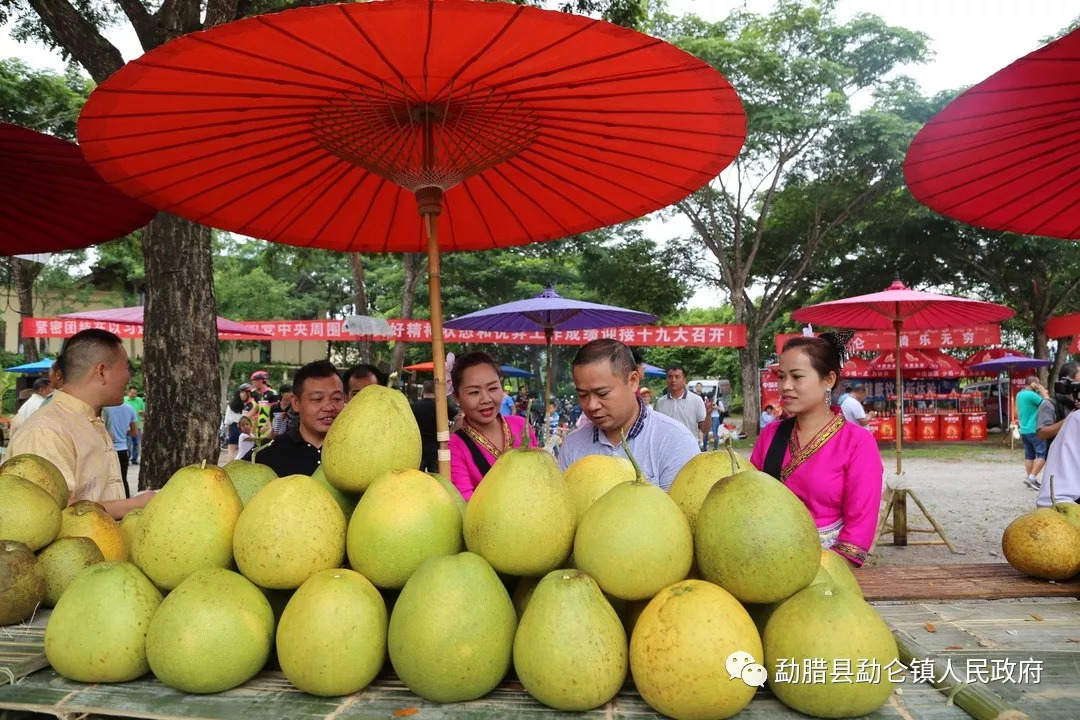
(134, 316)
(899, 308)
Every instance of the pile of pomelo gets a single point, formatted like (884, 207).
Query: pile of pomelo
(575, 581)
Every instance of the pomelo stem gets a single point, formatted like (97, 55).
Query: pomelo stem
(638, 475)
(1052, 500)
(391, 380)
(729, 445)
(203, 467)
(524, 440)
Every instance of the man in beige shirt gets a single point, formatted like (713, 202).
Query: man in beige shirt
(69, 430)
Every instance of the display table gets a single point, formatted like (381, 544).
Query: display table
(947, 626)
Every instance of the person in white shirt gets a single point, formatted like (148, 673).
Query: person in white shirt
(852, 405)
(681, 405)
(42, 389)
(1063, 464)
(246, 441)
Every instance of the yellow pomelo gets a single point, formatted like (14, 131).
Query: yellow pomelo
(1043, 544)
(332, 636)
(22, 582)
(346, 501)
(374, 434)
(403, 518)
(634, 540)
(97, 632)
(28, 514)
(520, 518)
(39, 471)
(570, 650)
(680, 647)
(129, 526)
(187, 526)
(836, 569)
(756, 539)
(248, 477)
(827, 627)
(452, 629)
(455, 494)
(697, 477)
(212, 633)
(89, 519)
(290, 530)
(593, 475)
(62, 561)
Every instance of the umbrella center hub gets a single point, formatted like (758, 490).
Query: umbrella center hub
(424, 144)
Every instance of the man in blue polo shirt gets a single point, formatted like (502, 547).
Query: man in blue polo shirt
(607, 379)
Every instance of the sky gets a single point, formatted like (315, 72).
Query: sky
(969, 40)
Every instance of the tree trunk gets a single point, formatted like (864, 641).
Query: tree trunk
(1042, 350)
(180, 346)
(25, 272)
(360, 300)
(228, 360)
(749, 372)
(1062, 352)
(414, 273)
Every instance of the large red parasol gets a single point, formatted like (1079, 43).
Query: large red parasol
(899, 308)
(1003, 155)
(406, 125)
(53, 200)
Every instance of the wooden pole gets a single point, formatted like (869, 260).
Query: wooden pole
(548, 335)
(438, 350)
(897, 324)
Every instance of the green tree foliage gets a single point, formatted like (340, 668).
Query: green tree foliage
(42, 100)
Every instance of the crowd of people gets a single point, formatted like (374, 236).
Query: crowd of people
(86, 424)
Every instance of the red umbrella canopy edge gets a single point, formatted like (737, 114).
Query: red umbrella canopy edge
(53, 200)
(317, 126)
(1003, 155)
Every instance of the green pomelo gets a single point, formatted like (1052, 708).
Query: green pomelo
(374, 434)
(28, 514)
(404, 518)
(187, 526)
(697, 477)
(570, 650)
(332, 636)
(22, 583)
(248, 477)
(346, 501)
(212, 633)
(289, 531)
(520, 518)
(634, 541)
(129, 527)
(89, 519)
(590, 477)
(756, 539)
(1069, 510)
(834, 568)
(452, 629)
(523, 593)
(97, 632)
(1041, 543)
(825, 625)
(455, 494)
(62, 561)
(679, 651)
(39, 471)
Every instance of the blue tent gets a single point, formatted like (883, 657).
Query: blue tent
(511, 371)
(653, 371)
(41, 366)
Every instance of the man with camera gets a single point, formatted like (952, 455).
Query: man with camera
(1063, 460)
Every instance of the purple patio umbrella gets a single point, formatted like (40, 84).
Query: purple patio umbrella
(548, 311)
(1007, 364)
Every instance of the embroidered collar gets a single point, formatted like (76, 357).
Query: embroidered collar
(635, 429)
(800, 453)
(478, 437)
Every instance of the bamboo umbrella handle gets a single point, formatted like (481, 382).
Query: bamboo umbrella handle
(438, 351)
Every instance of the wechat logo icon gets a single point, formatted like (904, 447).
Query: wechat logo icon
(741, 665)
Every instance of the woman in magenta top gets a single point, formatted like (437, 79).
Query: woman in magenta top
(485, 433)
(833, 466)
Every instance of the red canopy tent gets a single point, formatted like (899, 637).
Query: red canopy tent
(945, 366)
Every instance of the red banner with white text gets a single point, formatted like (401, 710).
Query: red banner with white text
(873, 340)
(419, 331)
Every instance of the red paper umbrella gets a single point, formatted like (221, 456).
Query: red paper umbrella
(1004, 155)
(409, 124)
(53, 200)
(898, 307)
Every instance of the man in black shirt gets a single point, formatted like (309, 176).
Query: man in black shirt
(360, 376)
(318, 398)
(424, 412)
